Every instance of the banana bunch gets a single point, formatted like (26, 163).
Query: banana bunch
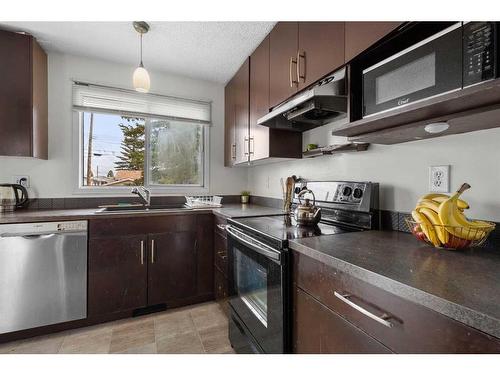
(442, 221)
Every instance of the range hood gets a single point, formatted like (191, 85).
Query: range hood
(323, 103)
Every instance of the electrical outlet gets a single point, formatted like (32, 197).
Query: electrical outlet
(439, 178)
(22, 180)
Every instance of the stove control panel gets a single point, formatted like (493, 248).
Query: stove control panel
(358, 196)
(349, 192)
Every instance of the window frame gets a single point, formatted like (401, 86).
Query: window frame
(180, 189)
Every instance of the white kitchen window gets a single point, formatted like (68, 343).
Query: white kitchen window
(127, 139)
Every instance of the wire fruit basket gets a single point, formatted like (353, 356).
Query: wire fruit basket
(449, 237)
(203, 201)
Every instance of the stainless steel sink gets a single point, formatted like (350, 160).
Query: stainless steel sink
(135, 208)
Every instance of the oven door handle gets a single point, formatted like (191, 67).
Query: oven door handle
(256, 246)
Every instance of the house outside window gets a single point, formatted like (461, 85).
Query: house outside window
(128, 139)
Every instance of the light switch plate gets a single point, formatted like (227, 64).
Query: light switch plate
(22, 180)
(439, 178)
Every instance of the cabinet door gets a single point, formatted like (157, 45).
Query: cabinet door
(220, 253)
(205, 254)
(321, 50)
(172, 266)
(15, 94)
(317, 329)
(229, 125)
(283, 62)
(220, 285)
(117, 274)
(241, 108)
(361, 35)
(259, 100)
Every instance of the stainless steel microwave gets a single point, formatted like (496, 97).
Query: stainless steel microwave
(462, 55)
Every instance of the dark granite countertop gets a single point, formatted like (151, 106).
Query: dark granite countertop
(463, 285)
(227, 210)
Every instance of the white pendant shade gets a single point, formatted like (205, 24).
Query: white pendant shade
(141, 79)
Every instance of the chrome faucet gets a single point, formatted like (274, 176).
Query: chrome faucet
(143, 193)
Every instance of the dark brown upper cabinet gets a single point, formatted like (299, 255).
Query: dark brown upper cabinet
(321, 50)
(259, 100)
(23, 96)
(300, 54)
(229, 125)
(236, 113)
(265, 142)
(242, 112)
(361, 35)
(283, 61)
(236, 117)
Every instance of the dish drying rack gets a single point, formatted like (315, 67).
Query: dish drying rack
(203, 201)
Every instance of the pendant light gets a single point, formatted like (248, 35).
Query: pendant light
(141, 76)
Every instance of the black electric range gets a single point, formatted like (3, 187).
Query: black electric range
(259, 271)
(284, 228)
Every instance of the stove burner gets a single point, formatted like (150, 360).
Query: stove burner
(285, 228)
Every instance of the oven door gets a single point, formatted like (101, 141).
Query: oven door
(429, 68)
(256, 290)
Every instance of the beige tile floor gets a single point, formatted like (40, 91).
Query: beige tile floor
(194, 329)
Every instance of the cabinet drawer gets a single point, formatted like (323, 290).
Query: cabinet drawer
(317, 329)
(220, 254)
(142, 224)
(219, 225)
(415, 328)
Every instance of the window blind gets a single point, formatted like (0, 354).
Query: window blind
(97, 98)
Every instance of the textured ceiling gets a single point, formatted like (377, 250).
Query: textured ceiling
(206, 50)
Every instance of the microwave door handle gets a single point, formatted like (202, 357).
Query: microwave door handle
(254, 245)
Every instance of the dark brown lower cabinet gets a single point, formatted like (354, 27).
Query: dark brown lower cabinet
(220, 283)
(220, 264)
(172, 266)
(414, 328)
(317, 329)
(139, 262)
(117, 274)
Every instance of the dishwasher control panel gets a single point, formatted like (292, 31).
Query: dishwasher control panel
(24, 229)
(74, 226)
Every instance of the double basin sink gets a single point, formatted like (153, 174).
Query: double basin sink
(141, 208)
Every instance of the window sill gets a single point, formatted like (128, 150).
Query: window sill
(155, 190)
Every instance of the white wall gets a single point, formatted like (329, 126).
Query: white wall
(401, 170)
(54, 177)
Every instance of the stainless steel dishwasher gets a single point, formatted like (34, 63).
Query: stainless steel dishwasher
(43, 274)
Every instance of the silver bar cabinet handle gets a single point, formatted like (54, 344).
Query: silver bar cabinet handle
(247, 143)
(301, 55)
(251, 149)
(233, 151)
(293, 60)
(152, 251)
(382, 320)
(142, 252)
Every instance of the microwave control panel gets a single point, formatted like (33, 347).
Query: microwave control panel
(479, 51)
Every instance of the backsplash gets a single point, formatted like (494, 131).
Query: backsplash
(93, 202)
(401, 170)
(389, 220)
